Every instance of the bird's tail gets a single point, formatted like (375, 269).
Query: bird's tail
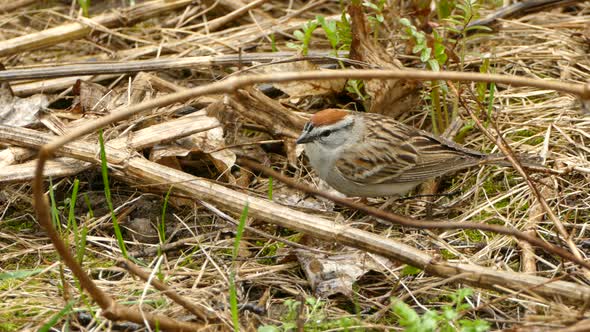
(525, 159)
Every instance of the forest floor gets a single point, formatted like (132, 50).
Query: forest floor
(242, 250)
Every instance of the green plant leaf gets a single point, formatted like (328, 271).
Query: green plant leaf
(290, 326)
(344, 32)
(330, 29)
(425, 55)
(299, 35)
(478, 27)
(273, 43)
(410, 270)
(449, 313)
(19, 274)
(430, 320)
(270, 188)
(84, 4)
(433, 64)
(476, 325)
(407, 316)
(293, 45)
(444, 8)
(371, 5)
(107, 194)
(233, 302)
(240, 231)
(463, 293)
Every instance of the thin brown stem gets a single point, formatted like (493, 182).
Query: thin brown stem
(166, 290)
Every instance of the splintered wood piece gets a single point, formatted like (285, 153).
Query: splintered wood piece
(391, 97)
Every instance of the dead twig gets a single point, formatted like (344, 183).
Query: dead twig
(127, 67)
(221, 21)
(166, 290)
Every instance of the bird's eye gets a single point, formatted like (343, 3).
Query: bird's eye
(326, 133)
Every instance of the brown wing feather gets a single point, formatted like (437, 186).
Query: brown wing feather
(402, 154)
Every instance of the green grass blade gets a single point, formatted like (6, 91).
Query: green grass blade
(162, 224)
(56, 318)
(233, 302)
(107, 193)
(84, 4)
(19, 274)
(240, 231)
(233, 294)
(88, 205)
(72, 210)
(54, 210)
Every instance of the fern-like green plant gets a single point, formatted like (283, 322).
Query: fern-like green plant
(304, 37)
(448, 319)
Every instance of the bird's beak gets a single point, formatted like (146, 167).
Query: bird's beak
(304, 138)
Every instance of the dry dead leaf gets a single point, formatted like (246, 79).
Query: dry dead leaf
(336, 274)
(95, 98)
(210, 142)
(20, 112)
(292, 197)
(163, 151)
(92, 97)
(12, 155)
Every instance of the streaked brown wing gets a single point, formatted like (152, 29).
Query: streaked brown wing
(367, 163)
(402, 155)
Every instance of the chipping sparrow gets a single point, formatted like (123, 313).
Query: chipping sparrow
(365, 154)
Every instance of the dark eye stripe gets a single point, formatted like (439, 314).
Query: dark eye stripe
(326, 133)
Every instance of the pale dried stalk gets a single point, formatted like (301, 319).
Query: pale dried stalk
(141, 139)
(12, 5)
(536, 214)
(221, 21)
(54, 85)
(13, 155)
(71, 31)
(56, 168)
(126, 67)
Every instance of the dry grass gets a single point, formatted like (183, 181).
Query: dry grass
(543, 45)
